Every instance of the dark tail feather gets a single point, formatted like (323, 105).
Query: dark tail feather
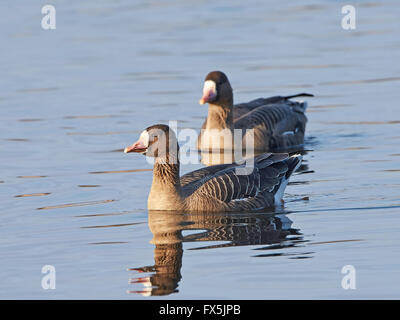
(293, 163)
(299, 95)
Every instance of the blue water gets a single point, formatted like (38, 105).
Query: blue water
(72, 98)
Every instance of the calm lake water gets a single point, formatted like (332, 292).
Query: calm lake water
(72, 98)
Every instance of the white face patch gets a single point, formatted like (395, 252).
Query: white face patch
(209, 87)
(144, 138)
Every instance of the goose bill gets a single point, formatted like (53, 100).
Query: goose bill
(209, 92)
(138, 147)
(207, 98)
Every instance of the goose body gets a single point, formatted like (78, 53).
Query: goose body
(265, 124)
(218, 188)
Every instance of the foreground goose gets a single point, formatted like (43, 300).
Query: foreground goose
(216, 188)
(278, 123)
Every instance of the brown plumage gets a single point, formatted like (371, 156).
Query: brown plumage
(216, 188)
(279, 123)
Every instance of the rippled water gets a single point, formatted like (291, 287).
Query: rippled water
(72, 98)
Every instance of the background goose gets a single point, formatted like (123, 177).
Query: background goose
(278, 123)
(212, 189)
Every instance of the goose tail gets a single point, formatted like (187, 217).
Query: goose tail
(293, 162)
(300, 106)
(303, 94)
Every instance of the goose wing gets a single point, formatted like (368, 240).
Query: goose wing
(277, 126)
(253, 191)
(192, 179)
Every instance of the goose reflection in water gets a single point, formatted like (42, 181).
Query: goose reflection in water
(239, 229)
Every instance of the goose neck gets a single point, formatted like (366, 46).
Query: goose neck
(219, 117)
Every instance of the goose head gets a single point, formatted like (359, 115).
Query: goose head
(157, 141)
(217, 90)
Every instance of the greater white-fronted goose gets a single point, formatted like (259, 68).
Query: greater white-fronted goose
(216, 188)
(279, 123)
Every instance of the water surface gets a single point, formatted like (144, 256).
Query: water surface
(72, 98)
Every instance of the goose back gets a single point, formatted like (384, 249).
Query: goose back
(276, 127)
(226, 190)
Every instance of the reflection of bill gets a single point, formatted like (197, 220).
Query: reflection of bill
(239, 229)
